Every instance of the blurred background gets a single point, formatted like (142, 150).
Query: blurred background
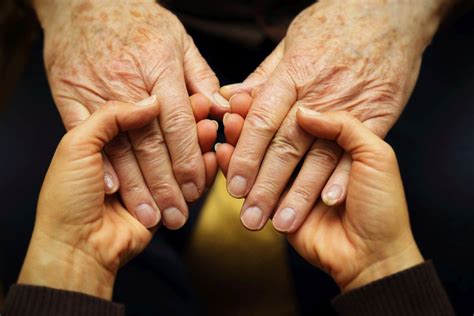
(213, 266)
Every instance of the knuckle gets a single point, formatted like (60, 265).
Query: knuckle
(304, 194)
(179, 121)
(264, 194)
(261, 120)
(325, 155)
(189, 168)
(119, 148)
(148, 144)
(163, 191)
(286, 148)
(131, 188)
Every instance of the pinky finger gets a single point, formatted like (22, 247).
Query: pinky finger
(111, 180)
(210, 164)
(233, 124)
(223, 154)
(335, 191)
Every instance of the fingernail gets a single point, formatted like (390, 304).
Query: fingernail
(190, 192)
(332, 195)
(216, 124)
(230, 87)
(309, 112)
(225, 118)
(147, 215)
(252, 217)
(147, 102)
(216, 146)
(219, 99)
(284, 219)
(109, 182)
(237, 186)
(173, 218)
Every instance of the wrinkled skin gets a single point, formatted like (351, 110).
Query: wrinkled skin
(367, 238)
(357, 56)
(100, 51)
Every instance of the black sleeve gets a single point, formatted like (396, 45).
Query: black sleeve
(36, 300)
(416, 291)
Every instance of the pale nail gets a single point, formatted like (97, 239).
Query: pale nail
(332, 195)
(230, 87)
(109, 182)
(224, 119)
(237, 186)
(216, 124)
(190, 192)
(173, 218)
(284, 219)
(216, 146)
(220, 100)
(252, 218)
(147, 102)
(309, 112)
(147, 215)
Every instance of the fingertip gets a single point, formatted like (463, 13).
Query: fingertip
(233, 124)
(223, 154)
(207, 134)
(210, 163)
(201, 106)
(240, 103)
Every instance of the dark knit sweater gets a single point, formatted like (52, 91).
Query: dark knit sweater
(416, 291)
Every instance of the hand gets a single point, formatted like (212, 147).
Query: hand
(358, 56)
(369, 237)
(109, 50)
(81, 235)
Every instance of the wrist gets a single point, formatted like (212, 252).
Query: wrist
(55, 264)
(379, 269)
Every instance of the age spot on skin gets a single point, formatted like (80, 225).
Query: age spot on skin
(84, 7)
(135, 13)
(322, 19)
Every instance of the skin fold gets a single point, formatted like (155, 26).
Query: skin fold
(367, 238)
(82, 236)
(98, 51)
(358, 56)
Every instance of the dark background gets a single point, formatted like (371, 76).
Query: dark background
(434, 140)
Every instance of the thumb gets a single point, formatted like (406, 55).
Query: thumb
(102, 126)
(351, 134)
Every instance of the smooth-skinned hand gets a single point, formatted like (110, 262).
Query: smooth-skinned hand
(82, 235)
(358, 56)
(98, 51)
(368, 237)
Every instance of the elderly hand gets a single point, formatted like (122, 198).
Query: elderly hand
(81, 235)
(369, 237)
(96, 51)
(358, 56)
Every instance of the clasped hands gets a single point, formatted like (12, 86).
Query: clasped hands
(360, 58)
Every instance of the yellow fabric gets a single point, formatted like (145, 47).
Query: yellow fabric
(235, 271)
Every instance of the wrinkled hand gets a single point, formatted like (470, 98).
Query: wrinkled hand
(356, 56)
(369, 237)
(109, 50)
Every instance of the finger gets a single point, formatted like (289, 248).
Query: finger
(201, 106)
(104, 124)
(259, 76)
(111, 179)
(210, 162)
(201, 79)
(240, 103)
(283, 155)
(207, 134)
(90, 138)
(335, 191)
(317, 167)
(151, 152)
(233, 125)
(223, 155)
(179, 129)
(347, 131)
(269, 108)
